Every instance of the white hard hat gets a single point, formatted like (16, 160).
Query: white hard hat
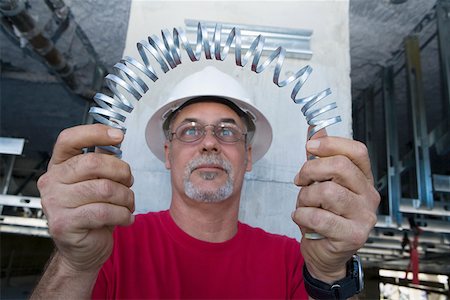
(214, 83)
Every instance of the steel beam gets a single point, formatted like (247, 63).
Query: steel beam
(392, 152)
(443, 24)
(430, 225)
(407, 206)
(12, 146)
(20, 201)
(419, 122)
(8, 173)
(369, 122)
(397, 235)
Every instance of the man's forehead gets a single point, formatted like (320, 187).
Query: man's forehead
(201, 110)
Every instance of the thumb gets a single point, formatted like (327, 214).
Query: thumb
(313, 142)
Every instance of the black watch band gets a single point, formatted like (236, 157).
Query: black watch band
(345, 288)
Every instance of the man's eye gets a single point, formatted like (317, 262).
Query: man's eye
(191, 131)
(226, 131)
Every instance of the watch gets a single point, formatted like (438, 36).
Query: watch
(352, 284)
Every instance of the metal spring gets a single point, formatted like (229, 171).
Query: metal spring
(166, 51)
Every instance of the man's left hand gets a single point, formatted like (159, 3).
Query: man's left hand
(337, 200)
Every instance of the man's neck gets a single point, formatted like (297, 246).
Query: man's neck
(210, 222)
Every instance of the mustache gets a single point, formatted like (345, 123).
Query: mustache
(209, 159)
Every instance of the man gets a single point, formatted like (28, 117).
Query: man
(208, 135)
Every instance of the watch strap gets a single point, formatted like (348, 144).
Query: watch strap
(341, 289)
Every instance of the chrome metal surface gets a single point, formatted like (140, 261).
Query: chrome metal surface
(11, 145)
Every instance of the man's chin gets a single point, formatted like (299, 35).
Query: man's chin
(208, 195)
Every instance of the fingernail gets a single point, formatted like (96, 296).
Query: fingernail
(313, 144)
(115, 133)
(132, 179)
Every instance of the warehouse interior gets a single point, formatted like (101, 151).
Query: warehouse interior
(55, 54)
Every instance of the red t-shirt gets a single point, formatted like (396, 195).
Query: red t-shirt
(154, 258)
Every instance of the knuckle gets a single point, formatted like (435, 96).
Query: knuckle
(342, 195)
(340, 163)
(43, 182)
(100, 213)
(91, 161)
(304, 169)
(328, 190)
(127, 169)
(372, 220)
(361, 150)
(302, 195)
(315, 218)
(105, 189)
(64, 137)
(329, 221)
(358, 238)
(376, 196)
(48, 202)
(131, 199)
(57, 227)
(127, 173)
(320, 220)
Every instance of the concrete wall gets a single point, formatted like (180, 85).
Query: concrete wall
(269, 195)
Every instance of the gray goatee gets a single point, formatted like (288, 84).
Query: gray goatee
(198, 193)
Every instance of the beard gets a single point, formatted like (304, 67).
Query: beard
(205, 195)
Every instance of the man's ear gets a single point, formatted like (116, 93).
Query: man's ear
(167, 154)
(249, 159)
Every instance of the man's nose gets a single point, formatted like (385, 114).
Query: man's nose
(210, 141)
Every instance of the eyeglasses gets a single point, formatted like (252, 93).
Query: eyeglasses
(190, 132)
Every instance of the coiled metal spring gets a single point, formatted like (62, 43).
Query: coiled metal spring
(167, 50)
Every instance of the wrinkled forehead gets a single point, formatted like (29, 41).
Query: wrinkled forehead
(210, 112)
(238, 113)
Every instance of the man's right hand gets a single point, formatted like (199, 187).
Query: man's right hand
(85, 195)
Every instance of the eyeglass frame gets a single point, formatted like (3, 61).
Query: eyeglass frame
(171, 134)
(247, 117)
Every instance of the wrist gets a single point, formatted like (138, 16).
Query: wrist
(61, 280)
(70, 270)
(343, 288)
(328, 276)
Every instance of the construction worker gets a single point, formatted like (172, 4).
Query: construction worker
(208, 135)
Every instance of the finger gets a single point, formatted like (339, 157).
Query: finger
(354, 150)
(339, 200)
(98, 190)
(338, 169)
(92, 166)
(332, 197)
(319, 134)
(98, 215)
(321, 221)
(348, 233)
(353, 234)
(71, 141)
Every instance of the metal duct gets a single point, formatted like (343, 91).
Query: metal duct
(15, 16)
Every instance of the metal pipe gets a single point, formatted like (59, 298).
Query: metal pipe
(420, 131)
(16, 13)
(8, 174)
